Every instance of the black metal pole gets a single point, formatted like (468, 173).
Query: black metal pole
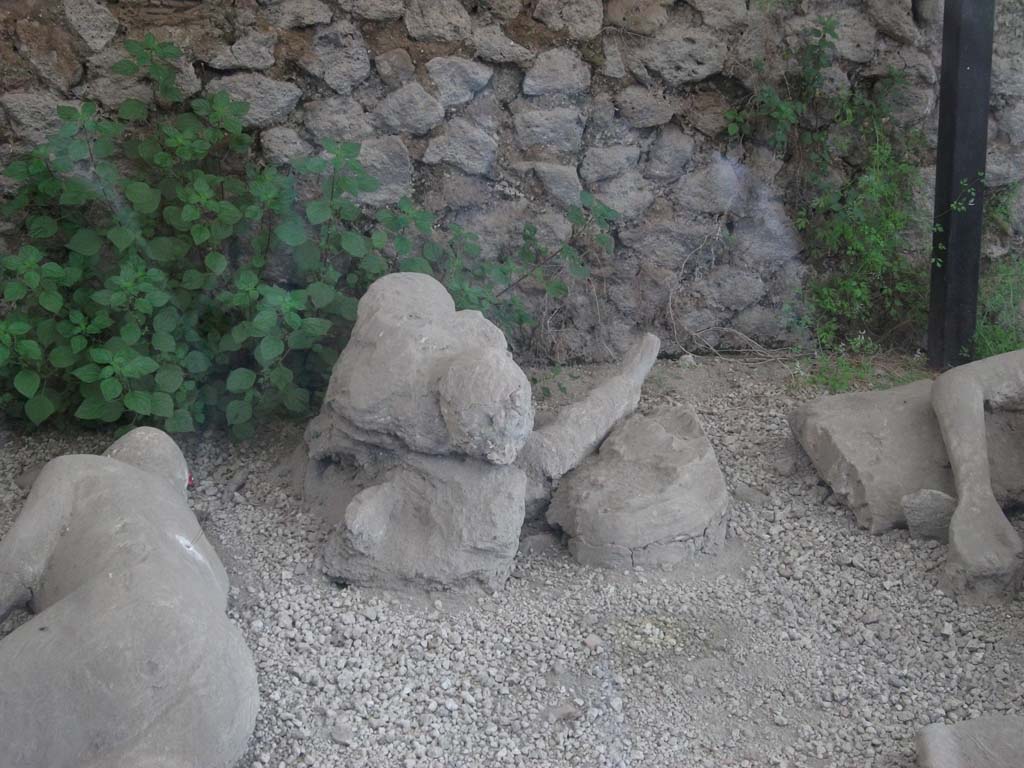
(959, 180)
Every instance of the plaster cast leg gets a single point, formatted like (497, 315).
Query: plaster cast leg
(131, 677)
(579, 429)
(26, 548)
(985, 552)
(556, 448)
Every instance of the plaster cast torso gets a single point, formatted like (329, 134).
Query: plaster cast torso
(130, 661)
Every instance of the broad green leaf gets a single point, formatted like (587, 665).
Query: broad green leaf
(121, 237)
(62, 357)
(163, 341)
(321, 294)
(246, 280)
(88, 373)
(18, 327)
(163, 405)
(51, 301)
(29, 349)
(263, 323)
(196, 362)
(125, 67)
(281, 377)
(238, 412)
(27, 383)
(193, 280)
(309, 164)
(318, 211)
(139, 402)
(296, 400)
(200, 233)
(354, 244)
(15, 291)
(40, 408)
(169, 378)
(111, 411)
(75, 192)
(173, 215)
(85, 242)
(140, 366)
(216, 262)
(241, 332)
(241, 380)
(90, 409)
(40, 227)
(166, 320)
(291, 232)
(416, 264)
(316, 326)
(181, 421)
(111, 389)
(374, 264)
(132, 109)
(269, 350)
(228, 214)
(131, 333)
(143, 197)
(167, 50)
(300, 340)
(77, 150)
(167, 249)
(349, 308)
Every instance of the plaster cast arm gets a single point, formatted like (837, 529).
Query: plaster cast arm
(985, 550)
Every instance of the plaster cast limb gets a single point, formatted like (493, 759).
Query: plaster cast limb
(26, 548)
(985, 550)
(579, 428)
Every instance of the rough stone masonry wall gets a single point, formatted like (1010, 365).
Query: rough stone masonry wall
(498, 112)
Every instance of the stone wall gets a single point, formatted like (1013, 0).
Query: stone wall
(498, 112)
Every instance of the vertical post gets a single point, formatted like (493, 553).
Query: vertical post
(964, 92)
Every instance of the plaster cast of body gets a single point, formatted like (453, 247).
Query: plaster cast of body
(130, 661)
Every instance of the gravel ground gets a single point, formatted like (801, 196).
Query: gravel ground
(806, 642)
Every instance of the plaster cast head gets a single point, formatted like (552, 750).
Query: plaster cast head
(487, 405)
(154, 451)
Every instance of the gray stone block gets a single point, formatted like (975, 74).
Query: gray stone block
(874, 448)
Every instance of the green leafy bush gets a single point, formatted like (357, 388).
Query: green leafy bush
(857, 234)
(144, 288)
(855, 229)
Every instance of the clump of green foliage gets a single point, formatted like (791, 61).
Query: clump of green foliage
(857, 233)
(855, 228)
(144, 290)
(857, 363)
(998, 207)
(1000, 325)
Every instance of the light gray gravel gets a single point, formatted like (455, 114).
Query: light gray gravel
(808, 642)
